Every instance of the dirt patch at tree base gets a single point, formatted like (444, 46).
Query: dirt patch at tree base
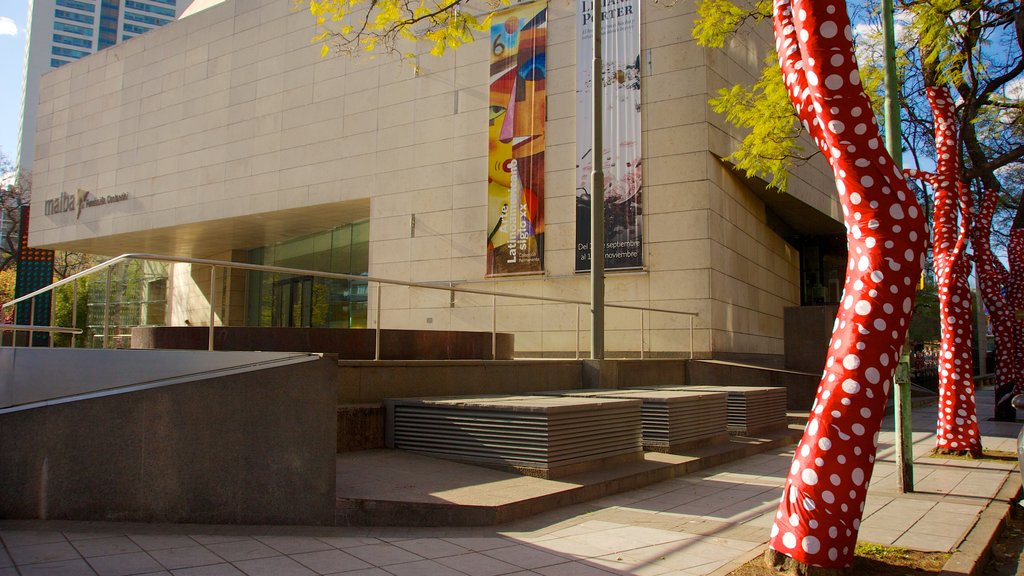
(1008, 550)
(870, 560)
(992, 455)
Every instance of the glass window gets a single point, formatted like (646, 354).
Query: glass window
(74, 16)
(300, 300)
(83, 6)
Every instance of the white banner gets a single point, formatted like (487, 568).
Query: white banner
(620, 39)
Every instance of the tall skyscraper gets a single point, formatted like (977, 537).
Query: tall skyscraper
(61, 31)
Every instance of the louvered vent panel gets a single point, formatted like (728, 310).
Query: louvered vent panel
(751, 408)
(671, 418)
(530, 431)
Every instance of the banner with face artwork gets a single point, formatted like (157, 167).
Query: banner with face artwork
(620, 53)
(517, 113)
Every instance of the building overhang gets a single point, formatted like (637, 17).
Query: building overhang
(797, 218)
(212, 237)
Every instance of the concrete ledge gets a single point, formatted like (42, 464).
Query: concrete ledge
(450, 494)
(251, 448)
(973, 554)
(368, 382)
(348, 343)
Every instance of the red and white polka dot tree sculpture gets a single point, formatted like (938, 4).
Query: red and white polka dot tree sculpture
(993, 282)
(823, 499)
(957, 426)
(1015, 288)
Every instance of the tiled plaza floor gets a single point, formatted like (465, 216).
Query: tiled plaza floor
(698, 524)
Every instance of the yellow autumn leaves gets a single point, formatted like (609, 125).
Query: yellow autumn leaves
(372, 25)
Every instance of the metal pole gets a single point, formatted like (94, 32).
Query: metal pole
(106, 311)
(597, 196)
(691, 337)
(376, 337)
(52, 322)
(904, 429)
(74, 310)
(31, 321)
(494, 328)
(577, 331)
(641, 334)
(213, 296)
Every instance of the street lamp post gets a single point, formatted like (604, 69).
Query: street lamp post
(597, 198)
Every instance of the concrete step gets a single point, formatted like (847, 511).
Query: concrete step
(397, 488)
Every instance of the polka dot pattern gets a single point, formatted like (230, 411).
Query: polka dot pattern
(1003, 292)
(823, 499)
(1014, 286)
(957, 425)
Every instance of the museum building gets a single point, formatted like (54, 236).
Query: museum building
(227, 136)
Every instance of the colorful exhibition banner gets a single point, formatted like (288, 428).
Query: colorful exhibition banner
(515, 182)
(620, 55)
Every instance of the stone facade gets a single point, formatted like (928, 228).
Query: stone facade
(227, 131)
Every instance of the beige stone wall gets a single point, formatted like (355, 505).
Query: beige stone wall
(228, 132)
(188, 293)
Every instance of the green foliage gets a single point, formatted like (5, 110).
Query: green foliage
(7, 280)
(367, 26)
(939, 26)
(925, 323)
(718, 19)
(63, 308)
(768, 151)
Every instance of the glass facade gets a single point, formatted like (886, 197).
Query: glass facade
(137, 297)
(79, 17)
(282, 300)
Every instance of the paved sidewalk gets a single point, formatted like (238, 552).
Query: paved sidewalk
(705, 523)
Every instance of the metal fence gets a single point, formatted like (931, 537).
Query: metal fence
(108, 334)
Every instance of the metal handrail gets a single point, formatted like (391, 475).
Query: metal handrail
(214, 264)
(29, 328)
(15, 328)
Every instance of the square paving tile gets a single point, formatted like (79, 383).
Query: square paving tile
(205, 539)
(242, 550)
(189, 557)
(76, 567)
(161, 541)
(36, 553)
(294, 544)
(12, 538)
(479, 564)
(348, 541)
(528, 557)
(77, 535)
(5, 559)
(210, 570)
(275, 566)
(928, 542)
(105, 546)
(573, 569)
(330, 561)
(431, 547)
(480, 543)
(125, 564)
(423, 568)
(383, 554)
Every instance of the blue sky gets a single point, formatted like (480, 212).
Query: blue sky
(13, 20)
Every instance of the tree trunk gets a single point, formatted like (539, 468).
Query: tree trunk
(819, 514)
(957, 426)
(992, 281)
(1015, 294)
